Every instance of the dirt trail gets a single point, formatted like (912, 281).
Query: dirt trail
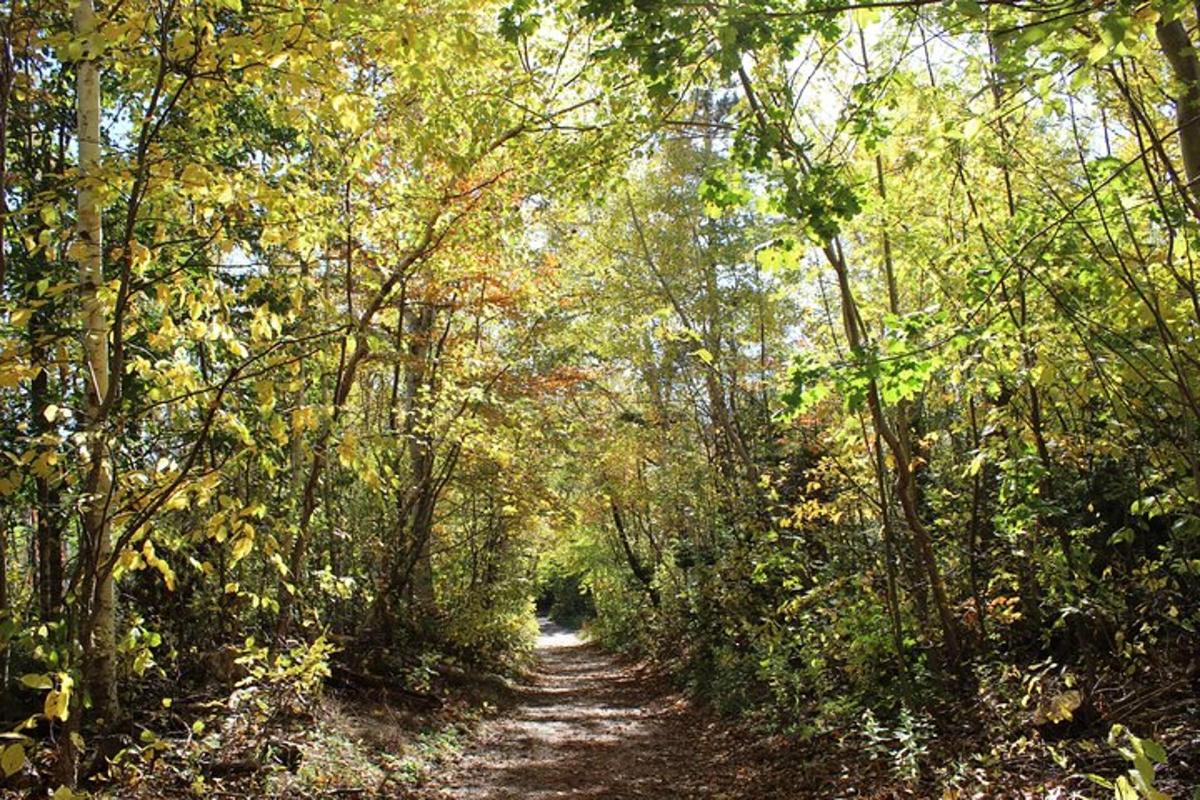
(588, 726)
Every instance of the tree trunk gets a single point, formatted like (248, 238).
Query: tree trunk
(99, 630)
(420, 328)
(48, 523)
(644, 574)
(1177, 47)
(903, 465)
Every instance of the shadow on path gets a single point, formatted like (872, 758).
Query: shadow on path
(586, 725)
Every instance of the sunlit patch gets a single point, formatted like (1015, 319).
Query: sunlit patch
(551, 635)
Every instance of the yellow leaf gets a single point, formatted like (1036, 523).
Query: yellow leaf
(278, 430)
(1061, 707)
(12, 759)
(864, 17)
(43, 465)
(194, 176)
(37, 681)
(56, 705)
(242, 548)
(159, 564)
(139, 254)
(303, 419)
(265, 392)
(348, 449)
(178, 500)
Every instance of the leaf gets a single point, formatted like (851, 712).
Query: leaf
(864, 17)
(1062, 706)
(1154, 751)
(1031, 36)
(139, 254)
(971, 8)
(348, 449)
(164, 569)
(12, 759)
(57, 704)
(1123, 790)
(37, 681)
(194, 176)
(242, 548)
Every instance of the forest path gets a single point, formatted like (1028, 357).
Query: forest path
(587, 725)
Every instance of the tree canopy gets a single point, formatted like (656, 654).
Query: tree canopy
(840, 357)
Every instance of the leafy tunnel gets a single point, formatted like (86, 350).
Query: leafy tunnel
(838, 360)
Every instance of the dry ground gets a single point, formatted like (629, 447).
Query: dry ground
(588, 725)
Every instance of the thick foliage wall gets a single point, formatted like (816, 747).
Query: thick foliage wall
(904, 310)
(301, 422)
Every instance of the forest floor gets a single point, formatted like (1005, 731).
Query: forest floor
(587, 724)
(584, 723)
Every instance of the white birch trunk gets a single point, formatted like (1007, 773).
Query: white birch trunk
(100, 628)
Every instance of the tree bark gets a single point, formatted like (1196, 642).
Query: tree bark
(644, 574)
(100, 623)
(1181, 55)
(420, 326)
(48, 524)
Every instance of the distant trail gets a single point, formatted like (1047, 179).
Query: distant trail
(587, 726)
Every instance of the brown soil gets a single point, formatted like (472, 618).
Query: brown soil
(587, 725)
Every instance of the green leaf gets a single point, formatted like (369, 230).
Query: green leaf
(970, 8)
(1154, 751)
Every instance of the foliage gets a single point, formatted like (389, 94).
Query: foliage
(841, 357)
